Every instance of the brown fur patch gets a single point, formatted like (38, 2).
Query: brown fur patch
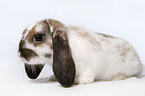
(105, 35)
(39, 45)
(55, 24)
(31, 34)
(27, 53)
(124, 53)
(83, 34)
(24, 31)
(48, 55)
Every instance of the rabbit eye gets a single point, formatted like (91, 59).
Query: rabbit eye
(39, 38)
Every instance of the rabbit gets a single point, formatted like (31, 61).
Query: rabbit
(77, 56)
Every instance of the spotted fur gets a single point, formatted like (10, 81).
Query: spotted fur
(78, 55)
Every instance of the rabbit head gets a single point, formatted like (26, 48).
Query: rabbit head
(47, 42)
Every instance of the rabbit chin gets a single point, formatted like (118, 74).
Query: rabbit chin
(38, 60)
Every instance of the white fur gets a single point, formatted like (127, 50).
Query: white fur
(51, 28)
(96, 56)
(38, 28)
(99, 58)
(41, 51)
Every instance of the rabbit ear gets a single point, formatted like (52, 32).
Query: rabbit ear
(33, 71)
(63, 64)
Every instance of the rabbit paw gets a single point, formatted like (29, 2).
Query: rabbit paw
(84, 80)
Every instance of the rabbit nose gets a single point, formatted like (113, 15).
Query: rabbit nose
(25, 52)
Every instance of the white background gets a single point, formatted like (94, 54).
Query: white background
(121, 18)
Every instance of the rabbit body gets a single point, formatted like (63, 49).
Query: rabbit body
(101, 57)
(76, 54)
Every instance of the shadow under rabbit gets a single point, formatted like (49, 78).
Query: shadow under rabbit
(44, 80)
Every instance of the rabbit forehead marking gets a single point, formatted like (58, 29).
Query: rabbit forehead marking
(27, 30)
(31, 30)
(37, 28)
